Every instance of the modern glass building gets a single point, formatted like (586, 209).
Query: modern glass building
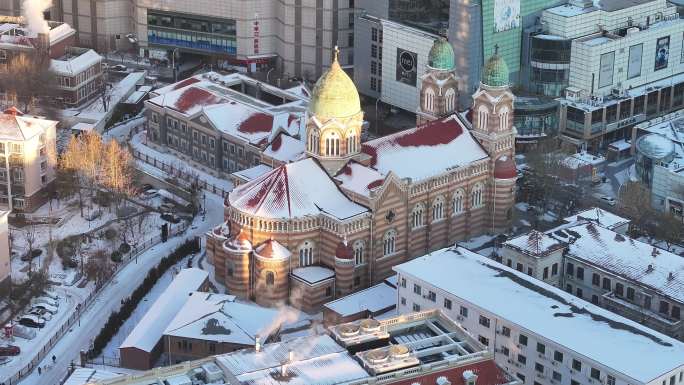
(201, 34)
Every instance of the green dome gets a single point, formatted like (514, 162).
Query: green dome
(495, 73)
(441, 56)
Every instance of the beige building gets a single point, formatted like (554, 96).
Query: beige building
(337, 220)
(297, 36)
(28, 158)
(5, 268)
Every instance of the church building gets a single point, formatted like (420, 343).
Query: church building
(340, 217)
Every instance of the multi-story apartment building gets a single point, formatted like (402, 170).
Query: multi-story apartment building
(606, 267)
(296, 36)
(28, 158)
(420, 348)
(619, 63)
(5, 252)
(222, 124)
(79, 76)
(375, 203)
(536, 331)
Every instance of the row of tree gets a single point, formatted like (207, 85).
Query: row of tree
(91, 164)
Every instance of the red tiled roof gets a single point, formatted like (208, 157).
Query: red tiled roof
(193, 97)
(184, 83)
(504, 168)
(343, 251)
(258, 122)
(13, 111)
(486, 371)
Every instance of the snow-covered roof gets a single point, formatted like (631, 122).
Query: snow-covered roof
(373, 299)
(626, 257)
(313, 274)
(549, 312)
(251, 173)
(274, 250)
(426, 150)
(359, 179)
(600, 216)
(317, 360)
(151, 327)
(72, 65)
(85, 376)
(535, 244)
(60, 32)
(581, 159)
(620, 145)
(219, 318)
(294, 190)
(285, 148)
(19, 127)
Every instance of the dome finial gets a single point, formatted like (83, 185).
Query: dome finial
(496, 49)
(337, 53)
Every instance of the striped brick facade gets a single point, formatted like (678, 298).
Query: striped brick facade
(405, 219)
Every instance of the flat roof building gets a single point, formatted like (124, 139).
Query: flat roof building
(538, 332)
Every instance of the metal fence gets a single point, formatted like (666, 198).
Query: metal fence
(188, 179)
(83, 306)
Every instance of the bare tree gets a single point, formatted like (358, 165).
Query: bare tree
(30, 238)
(669, 229)
(28, 77)
(634, 202)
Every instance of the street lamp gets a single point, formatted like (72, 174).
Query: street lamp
(376, 115)
(173, 62)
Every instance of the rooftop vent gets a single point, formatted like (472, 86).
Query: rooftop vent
(388, 358)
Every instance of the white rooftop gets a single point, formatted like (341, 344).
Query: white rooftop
(373, 299)
(74, 64)
(600, 216)
(253, 172)
(534, 243)
(626, 257)
(219, 318)
(425, 151)
(542, 309)
(313, 274)
(286, 192)
(85, 376)
(151, 327)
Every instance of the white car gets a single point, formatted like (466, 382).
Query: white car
(47, 308)
(45, 300)
(42, 313)
(608, 200)
(148, 194)
(51, 294)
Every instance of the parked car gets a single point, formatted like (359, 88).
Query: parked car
(9, 350)
(146, 187)
(45, 300)
(167, 207)
(42, 313)
(119, 68)
(148, 194)
(47, 308)
(606, 199)
(32, 321)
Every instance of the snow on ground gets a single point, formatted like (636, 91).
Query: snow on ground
(139, 143)
(112, 349)
(121, 132)
(477, 242)
(80, 337)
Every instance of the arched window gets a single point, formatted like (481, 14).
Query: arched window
(358, 252)
(332, 144)
(314, 142)
(503, 119)
(306, 254)
(352, 143)
(482, 118)
(388, 242)
(438, 208)
(476, 196)
(417, 216)
(429, 100)
(458, 201)
(270, 278)
(450, 101)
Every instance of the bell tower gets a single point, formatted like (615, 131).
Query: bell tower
(333, 131)
(493, 127)
(439, 90)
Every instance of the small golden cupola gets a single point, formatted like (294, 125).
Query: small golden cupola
(335, 118)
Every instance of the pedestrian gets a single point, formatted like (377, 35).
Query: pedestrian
(39, 370)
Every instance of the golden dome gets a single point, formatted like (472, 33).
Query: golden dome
(335, 95)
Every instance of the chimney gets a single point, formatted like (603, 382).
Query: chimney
(670, 276)
(285, 363)
(257, 344)
(649, 268)
(469, 377)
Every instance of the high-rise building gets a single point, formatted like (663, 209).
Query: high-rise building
(296, 36)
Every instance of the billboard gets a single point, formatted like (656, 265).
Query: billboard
(662, 53)
(506, 15)
(606, 69)
(634, 61)
(407, 67)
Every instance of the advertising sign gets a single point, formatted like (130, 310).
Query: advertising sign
(662, 53)
(506, 15)
(634, 61)
(407, 67)
(606, 69)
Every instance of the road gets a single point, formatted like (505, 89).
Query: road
(80, 337)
